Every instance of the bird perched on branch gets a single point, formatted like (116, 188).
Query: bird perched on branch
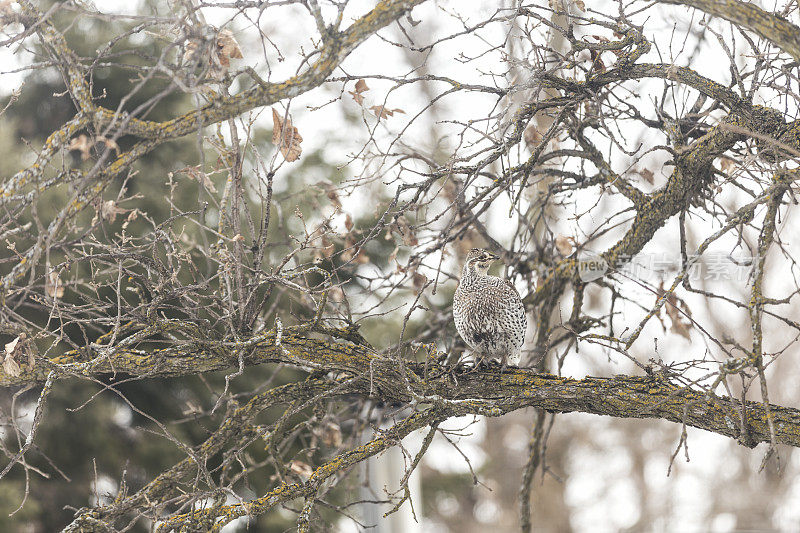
(488, 311)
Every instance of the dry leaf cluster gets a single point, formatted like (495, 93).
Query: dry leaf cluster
(379, 111)
(53, 285)
(403, 228)
(301, 469)
(195, 173)
(219, 60)
(330, 433)
(565, 245)
(678, 312)
(647, 174)
(83, 144)
(286, 137)
(532, 136)
(13, 357)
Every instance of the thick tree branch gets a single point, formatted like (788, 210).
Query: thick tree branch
(478, 392)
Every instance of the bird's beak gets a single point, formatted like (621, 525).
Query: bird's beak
(492, 257)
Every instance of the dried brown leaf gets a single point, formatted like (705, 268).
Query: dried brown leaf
(303, 470)
(227, 48)
(532, 136)
(564, 245)
(419, 281)
(393, 255)
(11, 368)
(110, 143)
(336, 294)
(357, 97)
(286, 137)
(15, 352)
(332, 435)
(362, 258)
(647, 174)
(350, 250)
(327, 247)
(597, 62)
(53, 285)
(402, 227)
(109, 210)
(678, 312)
(381, 112)
(14, 348)
(83, 144)
(679, 324)
(130, 218)
(190, 51)
(198, 175)
(333, 195)
(726, 164)
(361, 86)
(348, 222)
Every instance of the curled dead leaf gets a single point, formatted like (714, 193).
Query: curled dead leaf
(349, 251)
(14, 348)
(332, 435)
(403, 228)
(195, 173)
(359, 99)
(14, 352)
(353, 252)
(110, 143)
(11, 368)
(331, 193)
(565, 245)
(348, 222)
(327, 247)
(109, 210)
(286, 137)
(53, 285)
(532, 136)
(217, 60)
(647, 174)
(301, 469)
(678, 312)
(190, 51)
(336, 294)
(361, 87)
(362, 258)
(82, 144)
(384, 112)
(130, 218)
(726, 164)
(227, 48)
(597, 62)
(419, 281)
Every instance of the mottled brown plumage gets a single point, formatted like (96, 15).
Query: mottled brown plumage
(488, 310)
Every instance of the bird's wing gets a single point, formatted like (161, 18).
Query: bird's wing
(512, 290)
